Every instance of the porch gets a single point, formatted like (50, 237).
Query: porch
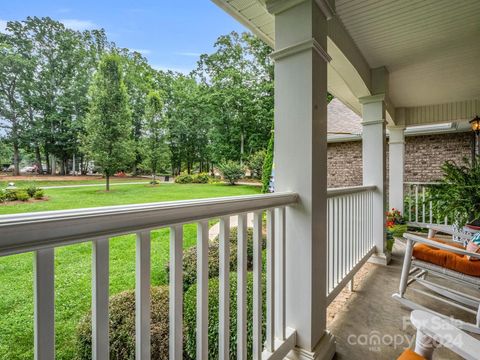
(317, 239)
(371, 324)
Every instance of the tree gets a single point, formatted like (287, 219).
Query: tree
(231, 171)
(14, 72)
(108, 125)
(154, 132)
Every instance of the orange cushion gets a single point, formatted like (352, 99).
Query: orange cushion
(446, 259)
(410, 355)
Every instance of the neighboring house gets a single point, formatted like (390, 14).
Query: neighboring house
(426, 147)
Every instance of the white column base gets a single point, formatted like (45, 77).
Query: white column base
(324, 350)
(380, 258)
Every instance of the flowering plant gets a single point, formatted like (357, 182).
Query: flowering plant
(395, 224)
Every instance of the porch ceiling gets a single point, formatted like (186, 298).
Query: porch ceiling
(429, 47)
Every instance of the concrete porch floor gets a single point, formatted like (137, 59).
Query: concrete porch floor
(371, 313)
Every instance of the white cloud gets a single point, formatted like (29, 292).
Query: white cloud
(79, 25)
(3, 25)
(142, 51)
(184, 71)
(190, 54)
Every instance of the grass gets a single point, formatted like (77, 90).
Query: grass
(73, 263)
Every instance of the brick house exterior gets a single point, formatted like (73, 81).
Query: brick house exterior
(424, 154)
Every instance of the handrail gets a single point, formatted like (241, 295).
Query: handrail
(33, 231)
(349, 190)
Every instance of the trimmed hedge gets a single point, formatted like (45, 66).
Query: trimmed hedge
(190, 258)
(202, 178)
(122, 327)
(213, 297)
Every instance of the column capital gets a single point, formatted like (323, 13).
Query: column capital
(275, 7)
(396, 134)
(309, 44)
(372, 99)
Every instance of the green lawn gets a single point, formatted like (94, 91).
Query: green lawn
(38, 181)
(73, 263)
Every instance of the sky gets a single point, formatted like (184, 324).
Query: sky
(171, 34)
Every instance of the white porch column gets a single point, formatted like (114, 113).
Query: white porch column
(396, 161)
(374, 167)
(301, 166)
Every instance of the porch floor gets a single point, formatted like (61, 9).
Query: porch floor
(371, 313)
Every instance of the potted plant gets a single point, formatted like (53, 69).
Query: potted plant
(395, 225)
(457, 194)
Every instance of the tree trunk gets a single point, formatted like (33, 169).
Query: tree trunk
(108, 181)
(242, 144)
(16, 158)
(47, 160)
(38, 159)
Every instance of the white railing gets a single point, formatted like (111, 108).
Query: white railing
(350, 235)
(420, 210)
(42, 232)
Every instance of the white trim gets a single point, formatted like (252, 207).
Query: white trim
(26, 232)
(301, 47)
(349, 190)
(275, 7)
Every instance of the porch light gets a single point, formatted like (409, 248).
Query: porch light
(475, 124)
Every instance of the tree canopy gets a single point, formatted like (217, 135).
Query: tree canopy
(55, 84)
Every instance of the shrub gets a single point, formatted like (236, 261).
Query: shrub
(3, 196)
(268, 165)
(255, 163)
(190, 258)
(231, 171)
(11, 194)
(213, 299)
(122, 327)
(22, 195)
(184, 179)
(31, 190)
(39, 194)
(202, 178)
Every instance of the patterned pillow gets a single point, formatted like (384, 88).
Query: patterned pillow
(474, 246)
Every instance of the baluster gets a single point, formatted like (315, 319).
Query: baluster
(431, 212)
(410, 203)
(142, 296)
(337, 241)
(242, 288)
(44, 298)
(423, 204)
(176, 293)
(202, 290)
(257, 285)
(224, 280)
(270, 280)
(331, 243)
(100, 292)
(280, 273)
(416, 203)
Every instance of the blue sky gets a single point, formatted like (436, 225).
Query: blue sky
(169, 33)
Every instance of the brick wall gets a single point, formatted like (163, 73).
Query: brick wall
(344, 163)
(424, 156)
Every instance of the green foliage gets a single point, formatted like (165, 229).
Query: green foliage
(458, 193)
(268, 164)
(184, 179)
(3, 196)
(108, 124)
(201, 178)
(190, 257)
(31, 189)
(255, 163)
(231, 171)
(154, 151)
(22, 195)
(122, 327)
(39, 194)
(213, 299)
